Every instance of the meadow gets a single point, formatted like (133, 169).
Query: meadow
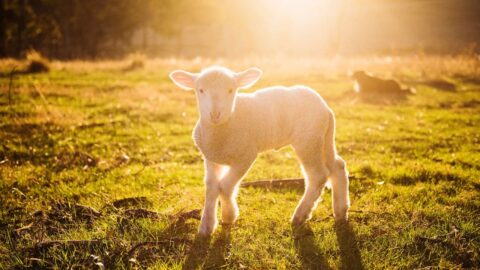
(98, 170)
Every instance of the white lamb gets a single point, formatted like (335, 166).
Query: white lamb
(234, 127)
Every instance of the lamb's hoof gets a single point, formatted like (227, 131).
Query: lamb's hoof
(205, 232)
(229, 219)
(207, 228)
(297, 221)
(228, 222)
(343, 218)
(341, 215)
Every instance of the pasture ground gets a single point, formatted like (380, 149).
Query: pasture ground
(76, 141)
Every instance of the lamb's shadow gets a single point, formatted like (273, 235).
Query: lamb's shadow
(440, 85)
(311, 255)
(347, 241)
(307, 249)
(220, 249)
(385, 99)
(375, 99)
(206, 256)
(198, 252)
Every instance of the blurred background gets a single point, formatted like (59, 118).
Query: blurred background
(91, 29)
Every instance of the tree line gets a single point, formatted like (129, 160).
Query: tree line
(69, 29)
(94, 29)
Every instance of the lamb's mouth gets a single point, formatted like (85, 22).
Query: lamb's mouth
(218, 122)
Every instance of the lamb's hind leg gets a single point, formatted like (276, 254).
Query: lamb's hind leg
(315, 172)
(340, 194)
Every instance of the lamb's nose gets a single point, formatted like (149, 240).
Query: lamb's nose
(215, 116)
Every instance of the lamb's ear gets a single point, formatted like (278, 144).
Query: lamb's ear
(183, 79)
(247, 78)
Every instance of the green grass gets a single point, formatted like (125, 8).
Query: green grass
(86, 135)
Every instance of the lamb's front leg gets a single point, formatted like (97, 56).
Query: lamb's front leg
(229, 190)
(212, 190)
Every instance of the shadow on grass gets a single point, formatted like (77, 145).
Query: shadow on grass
(307, 249)
(311, 255)
(198, 252)
(347, 241)
(205, 256)
(376, 98)
(440, 85)
(220, 249)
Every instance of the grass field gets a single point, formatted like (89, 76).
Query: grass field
(76, 141)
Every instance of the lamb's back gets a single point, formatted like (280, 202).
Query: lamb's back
(275, 114)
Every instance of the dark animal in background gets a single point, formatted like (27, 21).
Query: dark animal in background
(372, 87)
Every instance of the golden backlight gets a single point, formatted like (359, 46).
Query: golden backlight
(313, 28)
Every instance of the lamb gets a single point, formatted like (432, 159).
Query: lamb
(369, 86)
(234, 127)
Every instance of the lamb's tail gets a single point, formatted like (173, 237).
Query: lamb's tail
(330, 150)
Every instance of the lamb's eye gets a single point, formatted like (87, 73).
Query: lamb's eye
(230, 90)
(201, 91)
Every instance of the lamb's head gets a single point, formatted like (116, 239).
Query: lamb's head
(216, 89)
(358, 75)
